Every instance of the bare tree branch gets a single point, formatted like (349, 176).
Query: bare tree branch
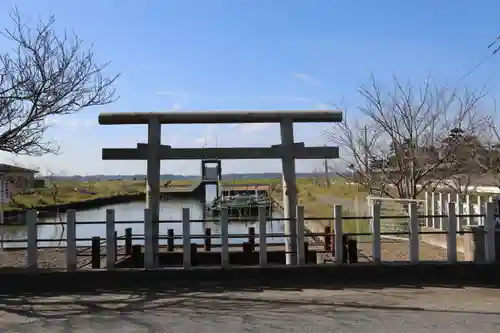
(397, 144)
(45, 75)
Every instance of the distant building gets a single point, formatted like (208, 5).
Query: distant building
(16, 180)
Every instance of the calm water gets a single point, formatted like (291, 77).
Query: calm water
(134, 211)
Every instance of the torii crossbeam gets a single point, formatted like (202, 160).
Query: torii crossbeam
(287, 151)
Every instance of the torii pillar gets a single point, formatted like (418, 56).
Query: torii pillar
(287, 151)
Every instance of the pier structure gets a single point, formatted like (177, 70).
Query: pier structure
(288, 151)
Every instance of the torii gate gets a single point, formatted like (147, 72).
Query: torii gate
(287, 151)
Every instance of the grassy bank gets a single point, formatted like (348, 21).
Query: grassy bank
(70, 192)
(317, 200)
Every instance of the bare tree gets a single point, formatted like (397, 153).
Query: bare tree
(45, 75)
(396, 146)
(55, 196)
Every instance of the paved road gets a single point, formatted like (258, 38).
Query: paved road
(355, 310)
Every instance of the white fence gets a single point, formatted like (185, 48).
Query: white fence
(471, 209)
(375, 221)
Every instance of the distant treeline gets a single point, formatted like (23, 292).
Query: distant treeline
(231, 176)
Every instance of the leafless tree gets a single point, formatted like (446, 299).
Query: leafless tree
(45, 74)
(396, 143)
(55, 195)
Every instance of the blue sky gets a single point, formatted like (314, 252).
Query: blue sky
(261, 54)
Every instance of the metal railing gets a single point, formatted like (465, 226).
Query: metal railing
(337, 237)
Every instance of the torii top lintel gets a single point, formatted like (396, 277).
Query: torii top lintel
(219, 117)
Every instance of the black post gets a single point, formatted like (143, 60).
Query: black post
(116, 246)
(251, 237)
(194, 251)
(306, 251)
(345, 253)
(96, 252)
(352, 246)
(170, 240)
(128, 241)
(208, 239)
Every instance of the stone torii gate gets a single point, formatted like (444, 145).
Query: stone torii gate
(287, 151)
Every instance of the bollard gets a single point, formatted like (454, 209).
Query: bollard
(116, 245)
(327, 245)
(96, 252)
(136, 256)
(352, 250)
(345, 249)
(306, 251)
(170, 240)
(194, 251)
(251, 237)
(208, 239)
(128, 241)
(247, 247)
(136, 252)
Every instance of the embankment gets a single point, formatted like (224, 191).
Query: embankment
(308, 228)
(17, 216)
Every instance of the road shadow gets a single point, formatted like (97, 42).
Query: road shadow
(218, 301)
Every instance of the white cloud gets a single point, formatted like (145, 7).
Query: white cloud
(307, 79)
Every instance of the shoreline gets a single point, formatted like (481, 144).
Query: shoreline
(16, 217)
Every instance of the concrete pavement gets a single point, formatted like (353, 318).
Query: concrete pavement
(298, 310)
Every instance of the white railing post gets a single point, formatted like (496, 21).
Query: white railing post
(110, 239)
(376, 246)
(414, 233)
(224, 234)
(300, 236)
(470, 209)
(433, 208)
(459, 211)
(481, 209)
(441, 210)
(149, 260)
(186, 238)
(489, 229)
(452, 233)
(31, 219)
(262, 236)
(428, 219)
(71, 240)
(337, 229)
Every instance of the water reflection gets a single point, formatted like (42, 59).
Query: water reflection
(132, 213)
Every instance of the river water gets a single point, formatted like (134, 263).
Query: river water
(49, 235)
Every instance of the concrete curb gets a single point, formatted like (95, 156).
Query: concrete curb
(359, 275)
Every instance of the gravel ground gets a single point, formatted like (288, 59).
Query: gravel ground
(47, 258)
(392, 250)
(397, 310)
(398, 250)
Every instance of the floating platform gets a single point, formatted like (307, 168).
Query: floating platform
(242, 200)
